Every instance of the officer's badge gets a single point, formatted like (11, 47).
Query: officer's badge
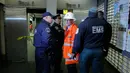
(47, 30)
(35, 31)
(59, 30)
(56, 28)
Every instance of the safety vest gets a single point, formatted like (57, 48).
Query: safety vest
(68, 44)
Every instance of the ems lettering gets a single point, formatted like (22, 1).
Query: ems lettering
(97, 29)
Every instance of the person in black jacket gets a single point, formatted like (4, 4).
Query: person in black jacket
(106, 47)
(91, 38)
(58, 34)
(101, 15)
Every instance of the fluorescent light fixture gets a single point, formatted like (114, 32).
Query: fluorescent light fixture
(15, 18)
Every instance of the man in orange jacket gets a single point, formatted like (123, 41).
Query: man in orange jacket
(70, 31)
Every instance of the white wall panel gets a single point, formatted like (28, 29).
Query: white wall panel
(84, 4)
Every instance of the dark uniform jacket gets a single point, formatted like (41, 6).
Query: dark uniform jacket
(58, 34)
(93, 33)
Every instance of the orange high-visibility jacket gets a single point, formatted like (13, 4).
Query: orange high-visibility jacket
(68, 45)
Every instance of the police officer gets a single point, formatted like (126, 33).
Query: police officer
(42, 43)
(92, 36)
(58, 34)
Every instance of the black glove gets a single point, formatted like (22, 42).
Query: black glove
(73, 55)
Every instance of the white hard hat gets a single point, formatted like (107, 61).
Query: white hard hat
(70, 15)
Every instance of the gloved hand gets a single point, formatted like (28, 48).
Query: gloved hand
(72, 56)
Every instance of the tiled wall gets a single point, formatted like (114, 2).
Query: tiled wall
(116, 58)
(101, 7)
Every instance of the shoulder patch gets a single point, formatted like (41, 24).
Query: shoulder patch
(56, 27)
(47, 30)
(35, 31)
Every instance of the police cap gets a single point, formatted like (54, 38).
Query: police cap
(47, 14)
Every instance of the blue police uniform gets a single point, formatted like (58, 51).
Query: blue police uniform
(42, 43)
(92, 36)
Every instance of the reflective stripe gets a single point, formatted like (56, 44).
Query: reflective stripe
(71, 59)
(66, 44)
(77, 31)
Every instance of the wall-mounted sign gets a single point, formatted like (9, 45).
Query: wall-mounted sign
(23, 3)
(26, 3)
(65, 11)
(116, 8)
(68, 5)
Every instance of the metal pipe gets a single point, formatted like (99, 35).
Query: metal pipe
(105, 8)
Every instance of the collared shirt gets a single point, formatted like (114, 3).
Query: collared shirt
(67, 27)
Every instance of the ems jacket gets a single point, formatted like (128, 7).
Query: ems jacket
(93, 33)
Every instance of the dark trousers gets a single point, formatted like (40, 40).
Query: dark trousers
(42, 61)
(57, 66)
(57, 62)
(72, 68)
(91, 57)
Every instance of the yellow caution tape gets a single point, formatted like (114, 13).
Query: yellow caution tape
(24, 37)
(20, 38)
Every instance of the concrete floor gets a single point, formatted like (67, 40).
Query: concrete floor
(30, 68)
